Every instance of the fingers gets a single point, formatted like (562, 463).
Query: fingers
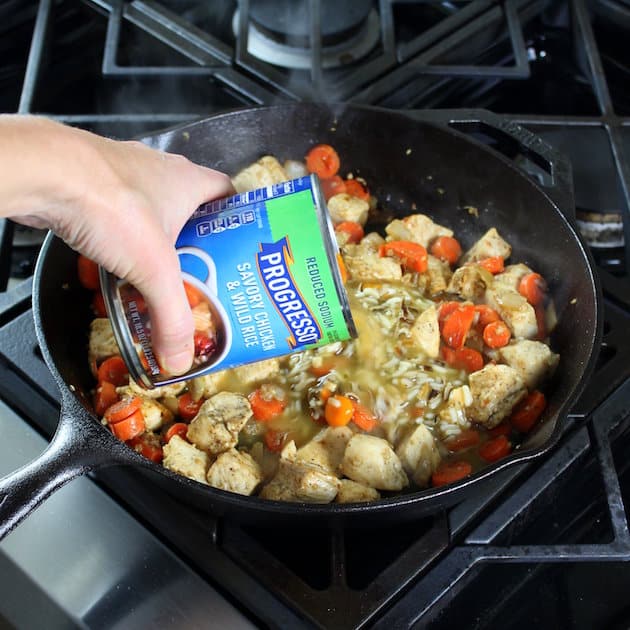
(171, 318)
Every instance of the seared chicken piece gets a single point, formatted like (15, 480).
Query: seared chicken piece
(438, 275)
(533, 360)
(206, 385)
(364, 264)
(185, 459)
(155, 414)
(469, 282)
(418, 228)
(495, 390)
(488, 246)
(264, 172)
(326, 449)
(298, 481)
(371, 460)
(419, 455)
(102, 343)
(425, 333)
(511, 276)
(215, 428)
(235, 471)
(345, 207)
(164, 391)
(257, 372)
(514, 310)
(353, 492)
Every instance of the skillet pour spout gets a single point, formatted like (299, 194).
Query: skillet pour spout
(433, 164)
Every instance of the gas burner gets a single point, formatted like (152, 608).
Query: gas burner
(279, 32)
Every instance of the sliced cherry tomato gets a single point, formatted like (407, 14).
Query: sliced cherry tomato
(113, 370)
(495, 449)
(465, 439)
(446, 248)
(353, 230)
(187, 407)
(87, 270)
(323, 160)
(179, 428)
(526, 413)
(450, 471)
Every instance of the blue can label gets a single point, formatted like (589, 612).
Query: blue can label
(264, 267)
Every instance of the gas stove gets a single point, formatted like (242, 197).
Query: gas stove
(543, 543)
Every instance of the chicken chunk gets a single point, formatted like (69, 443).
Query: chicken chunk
(514, 310)
(469, 282)
(298, 481)
(155, 414)
(495, 390)
(102, 343)
(257, 372)
(511, 276)
(364, 264)
(353, 492)
(419, 455)
(345, 207)
(264, 172)
(372, 461)
(489, 245)
(438, 274)
(216, 426)
(418, 228)
(533, 360)
(235, 471)
(164, 391)
(206, 385)
(185, 459)
(326, 449)
(425, 333)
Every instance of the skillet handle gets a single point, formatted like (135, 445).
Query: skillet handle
(550, 168)
(78, 446)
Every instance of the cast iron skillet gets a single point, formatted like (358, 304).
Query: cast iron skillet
(405, 162)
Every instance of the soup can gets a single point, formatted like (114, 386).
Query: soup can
(262, 274)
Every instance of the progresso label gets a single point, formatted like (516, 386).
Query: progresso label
(263, 279)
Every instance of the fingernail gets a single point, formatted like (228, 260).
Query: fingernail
(177, 364)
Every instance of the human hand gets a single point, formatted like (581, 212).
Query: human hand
(121, 204)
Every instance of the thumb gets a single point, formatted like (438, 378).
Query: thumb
(171, 318)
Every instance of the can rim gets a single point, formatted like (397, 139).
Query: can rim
(110, 287)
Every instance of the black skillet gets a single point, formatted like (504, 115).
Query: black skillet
(418, 164)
